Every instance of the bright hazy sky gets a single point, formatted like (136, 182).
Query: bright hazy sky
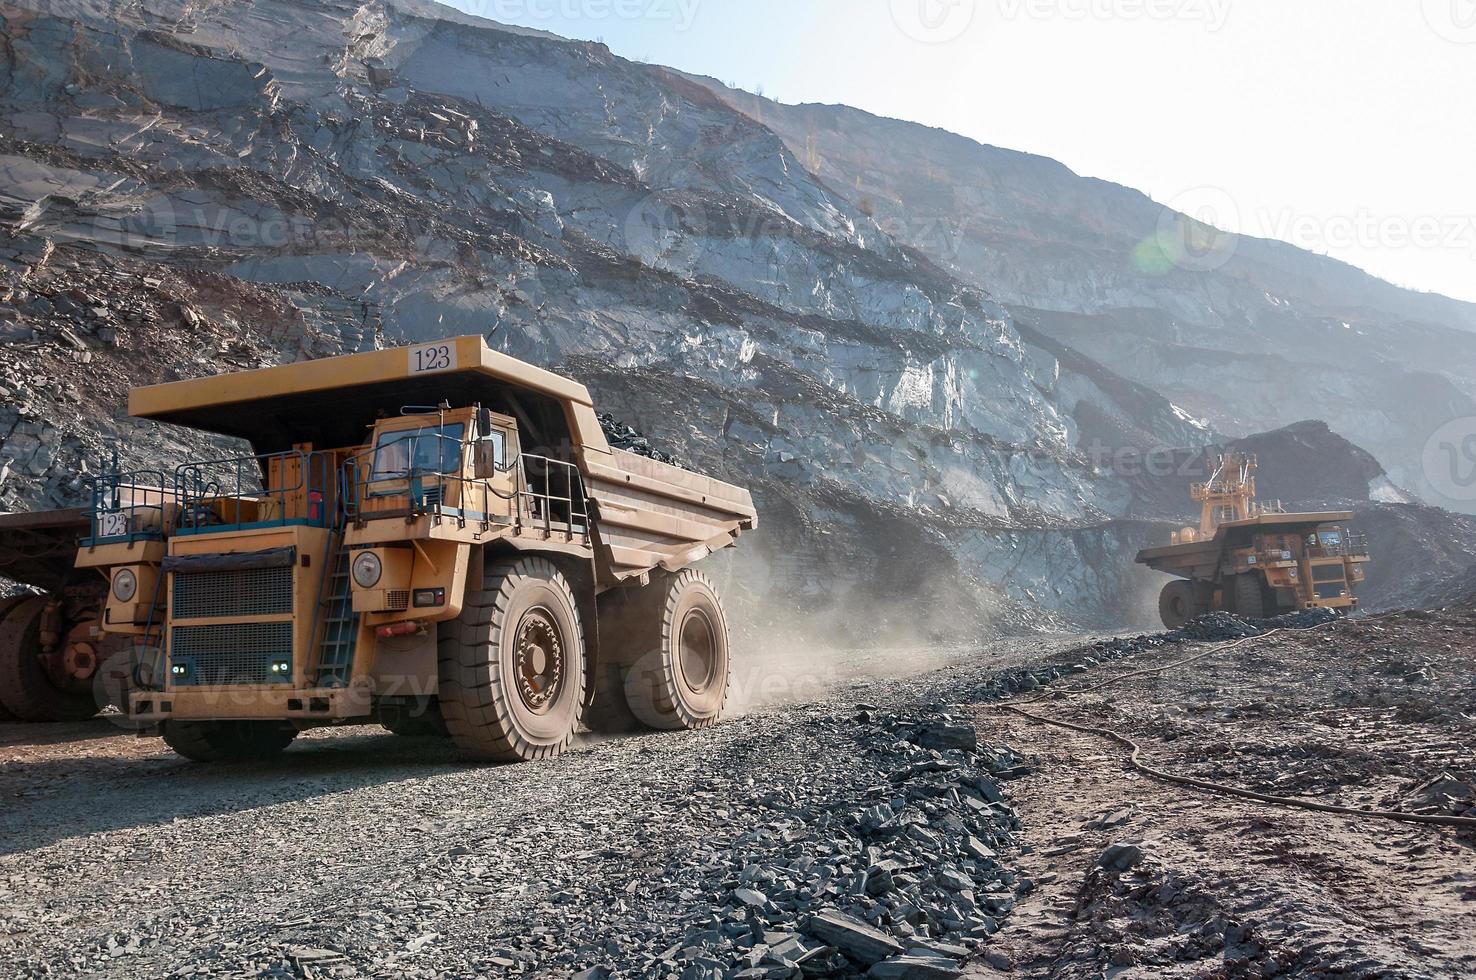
(1343, 126)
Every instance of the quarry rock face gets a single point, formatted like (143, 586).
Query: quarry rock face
(1246, 333)
(189, 191)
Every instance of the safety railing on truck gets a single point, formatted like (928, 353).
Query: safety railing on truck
(245, 492)
(128, 507)
(543, 493)
(552, 511)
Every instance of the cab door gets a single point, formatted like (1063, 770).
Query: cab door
(496, 468)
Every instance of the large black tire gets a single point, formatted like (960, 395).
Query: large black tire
(6, 605)
(676, 643)
(26, 691)
(228, 741)
(512, 667)
(1176, 604)
(1183, 601)
(1250, 597)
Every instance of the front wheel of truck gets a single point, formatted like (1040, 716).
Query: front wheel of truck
(512, 667)
(228, 741)
(1250, 596)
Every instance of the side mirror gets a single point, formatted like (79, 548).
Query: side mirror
(484, 423)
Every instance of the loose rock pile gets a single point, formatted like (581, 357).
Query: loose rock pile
(1219, 627)
(622, 436)
(1015, 680)
(894, 875)
(1452, 793)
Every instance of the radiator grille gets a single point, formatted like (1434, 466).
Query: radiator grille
(250, 592)
(234, 653)
(397, 600)
(1328, 573)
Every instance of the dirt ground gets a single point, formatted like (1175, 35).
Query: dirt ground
(360, 854)
(1377, 714)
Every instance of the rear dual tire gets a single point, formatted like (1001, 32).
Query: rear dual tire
(665, 656)
(27, 692)
(1176, 606)
(1184, 601)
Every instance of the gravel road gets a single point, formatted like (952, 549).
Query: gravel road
(362, 854)
(892, 822)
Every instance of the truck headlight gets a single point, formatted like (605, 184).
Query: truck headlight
(367, 570)
(125, 585)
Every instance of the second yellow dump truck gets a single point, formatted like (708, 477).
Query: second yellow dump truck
(1255, 559)
(433, 537)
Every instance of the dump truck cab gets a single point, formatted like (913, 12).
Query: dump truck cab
(392, 551)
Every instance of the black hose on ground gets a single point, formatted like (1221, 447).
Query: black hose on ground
(1135, 760)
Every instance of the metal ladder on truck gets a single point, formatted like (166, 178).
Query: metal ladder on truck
(340, 622)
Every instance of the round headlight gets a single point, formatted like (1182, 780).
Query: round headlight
(125, 585)
(367, 569)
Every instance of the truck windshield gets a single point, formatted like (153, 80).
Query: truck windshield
(433, 450)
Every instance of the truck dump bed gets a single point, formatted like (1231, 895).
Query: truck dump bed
(1201, 559)
(646, 514)
(40, 549)
(651, 513)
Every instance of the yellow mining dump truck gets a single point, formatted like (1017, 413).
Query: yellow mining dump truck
(437, 537)
(1255, 559)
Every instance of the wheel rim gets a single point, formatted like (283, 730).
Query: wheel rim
(698, 653)
(539, 660)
